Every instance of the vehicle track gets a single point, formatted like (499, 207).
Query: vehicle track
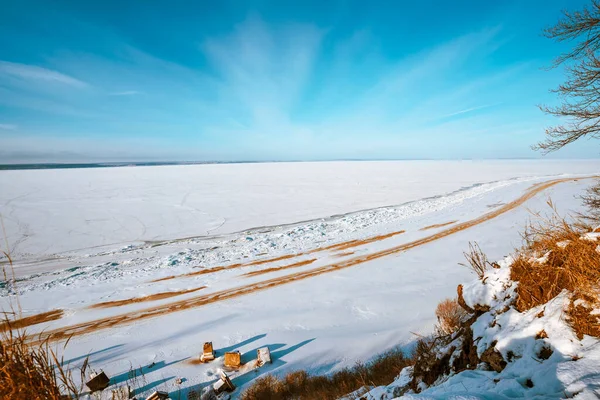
(152, 297)
(197, 301)
(336, 247)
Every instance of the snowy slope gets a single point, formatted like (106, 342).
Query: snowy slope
(317, 306)
(554, 365)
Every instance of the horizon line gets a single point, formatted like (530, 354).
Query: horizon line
(115, 164)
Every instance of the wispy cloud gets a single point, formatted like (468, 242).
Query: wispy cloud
(275, 91)
(471, 109)
(35, 73)
(125, 93)
(263, 72)
(8, 127)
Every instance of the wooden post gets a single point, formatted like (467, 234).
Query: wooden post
(208, 354)
(158, 395)
(233, 359)
(98, 381)
(263, 356)
(224, 384)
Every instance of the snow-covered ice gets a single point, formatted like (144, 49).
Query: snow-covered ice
(48, 212)
(82, 237)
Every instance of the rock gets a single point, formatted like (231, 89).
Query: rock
(494, 359)
(461, 300)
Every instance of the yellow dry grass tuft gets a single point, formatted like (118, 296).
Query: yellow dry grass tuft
(33, 371)
(450, 316)
(476, 260)
(558, 257)
(28, 371)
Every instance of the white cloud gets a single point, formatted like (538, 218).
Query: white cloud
(263, 71)
(33, 72)
(8, 127)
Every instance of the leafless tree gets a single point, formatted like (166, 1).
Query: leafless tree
(591, 199)
(580, 93)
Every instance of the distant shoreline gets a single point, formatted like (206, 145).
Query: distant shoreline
(33, 166)
(5, 167)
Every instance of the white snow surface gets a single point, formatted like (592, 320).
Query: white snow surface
(81, 237)
(48, 212)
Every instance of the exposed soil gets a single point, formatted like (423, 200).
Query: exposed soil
(344, 254)
(31, 320)
(273, 269)
(198, 301)
(228, 267)
(152, 297)
(269, 260)
(194, 361)
(166, 278)
(438, 225)
(355, 243)
(338, 246)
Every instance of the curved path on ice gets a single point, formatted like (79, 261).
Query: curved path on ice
(197, 301)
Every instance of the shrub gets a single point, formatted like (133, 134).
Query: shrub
(476, 260)
(428, 367)
(450, 315)
(382, 370)
(591, 199)
(268, 388)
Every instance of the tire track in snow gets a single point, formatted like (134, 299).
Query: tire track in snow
(438, 225)
(336, 247)
(198, 301)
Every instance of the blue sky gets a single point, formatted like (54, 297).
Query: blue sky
(311, 80)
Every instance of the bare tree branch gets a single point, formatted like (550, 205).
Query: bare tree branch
(580, 93)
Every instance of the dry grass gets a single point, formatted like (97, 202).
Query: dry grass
(27, 371)
(568, 263)
(450, 316)
(32, 372)
(582, 318)
(301, 386)
(476, 260)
